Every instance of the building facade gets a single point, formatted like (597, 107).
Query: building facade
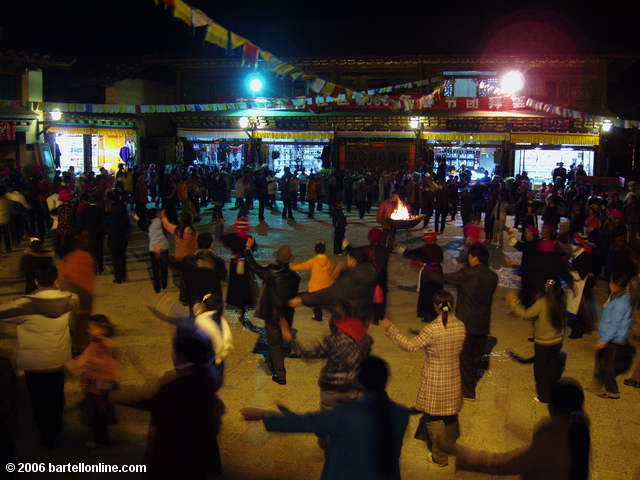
(465, 123)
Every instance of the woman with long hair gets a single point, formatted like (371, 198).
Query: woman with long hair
(560, 448)
(548, 312)
(440, 390)
(365, 436)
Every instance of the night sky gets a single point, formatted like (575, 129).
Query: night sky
(137, 27)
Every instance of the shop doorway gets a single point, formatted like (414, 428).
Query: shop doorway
(539, 162)
(107, 151)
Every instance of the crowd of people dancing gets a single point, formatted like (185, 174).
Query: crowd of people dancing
(571, 236)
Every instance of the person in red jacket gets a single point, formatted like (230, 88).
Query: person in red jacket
(384, 214)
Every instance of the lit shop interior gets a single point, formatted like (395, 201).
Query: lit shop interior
(108, 149)
(540, 161)
(296, 156)
(219, 153)
(472, 156)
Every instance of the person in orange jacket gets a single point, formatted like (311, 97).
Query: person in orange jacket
(322, 274)
(77, 275)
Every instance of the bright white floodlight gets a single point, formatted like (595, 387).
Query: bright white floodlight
(512, 82)
(243, 122)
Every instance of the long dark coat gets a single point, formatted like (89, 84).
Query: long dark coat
(242, 290)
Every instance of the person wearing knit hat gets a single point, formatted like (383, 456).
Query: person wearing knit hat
(280, 285)
(430, 236)
(578, 312)
(242, 291)
(616, 214)
(241, 226)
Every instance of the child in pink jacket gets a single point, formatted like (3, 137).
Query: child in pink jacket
(99, 373)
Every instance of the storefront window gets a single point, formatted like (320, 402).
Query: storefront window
(295, 157)
(218, 154)
(539, 163)
(473, 158)
(71, 151)
(105, 151)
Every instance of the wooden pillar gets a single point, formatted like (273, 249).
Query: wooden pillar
(87, 150)
(342, 156)
(412, 157)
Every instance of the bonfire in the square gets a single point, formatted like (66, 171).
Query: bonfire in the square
(401, 217)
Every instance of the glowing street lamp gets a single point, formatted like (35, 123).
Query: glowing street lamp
(55, 115)
(414, 123)
(255, 83)
(606, 126)
(243, 122)
(512, 82)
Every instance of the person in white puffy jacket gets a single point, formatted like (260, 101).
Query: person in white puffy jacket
(44, 347)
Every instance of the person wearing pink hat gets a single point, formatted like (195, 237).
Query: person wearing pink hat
(579, 313)
(242, 291)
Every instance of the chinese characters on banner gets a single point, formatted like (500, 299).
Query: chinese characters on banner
(411, 103)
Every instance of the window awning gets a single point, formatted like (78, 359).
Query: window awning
(91, 130)
(376, 134)
(213, 134)
(465, 136)
(295, 135)
(552, 138)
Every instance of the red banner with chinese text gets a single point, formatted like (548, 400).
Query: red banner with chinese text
(416, 103)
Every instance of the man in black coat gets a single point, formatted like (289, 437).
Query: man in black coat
(476, 283)
(429, 259)
(117, 228)
(280, 285)
(354, 286)
(202, 273)
(91, 219)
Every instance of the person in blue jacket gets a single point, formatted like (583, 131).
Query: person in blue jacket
(613, 333)
(365, 436)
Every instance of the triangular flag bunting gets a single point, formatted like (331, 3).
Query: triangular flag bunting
(182, 11)
(328, 88)
(217, 35)
(317, 85)
(199, 18)
(250, 54)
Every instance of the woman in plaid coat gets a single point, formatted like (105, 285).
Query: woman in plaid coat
(440, 390)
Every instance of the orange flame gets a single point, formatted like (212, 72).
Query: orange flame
(401, 212)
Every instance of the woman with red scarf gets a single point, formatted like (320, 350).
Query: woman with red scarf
(242, 284)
